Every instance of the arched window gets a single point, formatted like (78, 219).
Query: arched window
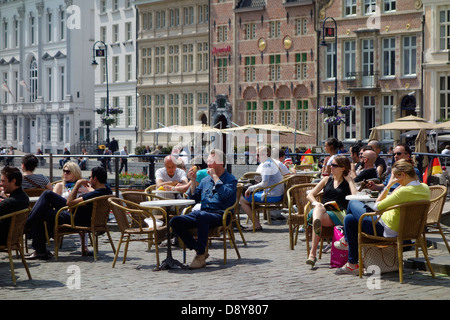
(33, 80)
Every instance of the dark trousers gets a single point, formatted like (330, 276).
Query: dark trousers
(45, 210)
(202, 221)
(124, 163)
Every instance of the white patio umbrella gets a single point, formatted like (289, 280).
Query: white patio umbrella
(407, 123)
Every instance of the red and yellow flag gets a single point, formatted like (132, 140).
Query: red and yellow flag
(436, 167)
(307, 159)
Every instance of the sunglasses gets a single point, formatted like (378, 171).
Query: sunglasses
(66, 171)
(398, 153)
(334, 165)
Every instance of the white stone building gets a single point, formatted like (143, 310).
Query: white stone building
(45, 73)
(115, 26)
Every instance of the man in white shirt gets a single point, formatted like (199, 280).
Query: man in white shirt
(171, 178)
(124, 160)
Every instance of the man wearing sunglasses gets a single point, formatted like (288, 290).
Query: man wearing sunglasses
(401, 151)
(50, 202)
(369, 170)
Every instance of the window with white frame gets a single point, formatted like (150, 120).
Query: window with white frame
(370, 6)
(32, 35)
(5, 92)
(103, 34)
(62, 25)
(16, 33)
(128, 31)
(115, 33)
(33, 82)
(160, 60)
(350, 8)
(275, 29)
(129, 64)
(116, 69)
(389, 5)
(174, 17)
(250, 69)
(349, 59)
(301, 26)
(350, 118)
(302, 115)
(285, 112)
(251, 114)
(174, 59)
(160, 19)
(49, 84)
(275, 67)
(146, 61)
(388, 115)
(202, 56)
(444, 97)
(444, 29)
(368, 115)
(250, 31)
(188, 57)
(49, 27)
(301, 65)
(330, 56)
(203, 13)
(62, 82)
(188, 16)
(222, 75)
(129, 111)
(222, 33)
(388, 57)
(409, 56)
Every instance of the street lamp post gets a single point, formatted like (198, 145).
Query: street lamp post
(103, 52)
(330, 32)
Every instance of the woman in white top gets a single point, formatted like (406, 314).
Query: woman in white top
(270, 175)
(71, 173)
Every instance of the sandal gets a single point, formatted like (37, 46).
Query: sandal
(250, 229)
(311, 262)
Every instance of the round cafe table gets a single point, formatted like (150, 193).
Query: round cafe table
(169, 262)
(366, 198)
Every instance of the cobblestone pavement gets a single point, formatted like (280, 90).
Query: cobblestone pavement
(268, 270)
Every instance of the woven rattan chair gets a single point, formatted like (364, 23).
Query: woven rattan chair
(296, 196)
(433, 224)
(413, 216)
(325, 234)
(225, 232)
(99, 220)
(34, 192)
(130, 219)
(15, 238)
(265, 206)
(250, 176)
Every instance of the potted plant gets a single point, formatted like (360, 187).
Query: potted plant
(346, 109)
(328, 110)
(108, 120)
(332, 120)
(115, 110)
(100, 110)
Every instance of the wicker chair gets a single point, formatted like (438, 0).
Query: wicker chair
(99, 219)
(225, 232)
(296, 195)
(15, 238)
(34, 192)
(267, 206)
(326, 234)
(130, 218)
(250, 176)
(413, 216)
(433, 224)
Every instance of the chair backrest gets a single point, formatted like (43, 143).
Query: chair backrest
(16, 227)
(250, 175)
(34, 192)
(120, 209)
(297, 179)
(136, 196)
(413, 216)
(100, 210)
(149, 189)
(438, 196)
(297, 195)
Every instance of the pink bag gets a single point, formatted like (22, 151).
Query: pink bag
(338, 257)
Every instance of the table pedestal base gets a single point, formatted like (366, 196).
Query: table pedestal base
(170, 263)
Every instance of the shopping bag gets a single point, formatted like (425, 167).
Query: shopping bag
(385, 257)
(338, 257)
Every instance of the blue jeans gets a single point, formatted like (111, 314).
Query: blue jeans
(355, 210)
(202, 220)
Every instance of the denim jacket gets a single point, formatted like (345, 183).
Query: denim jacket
(216, 197)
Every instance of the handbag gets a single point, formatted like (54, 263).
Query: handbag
(338, 257)
(385, 257)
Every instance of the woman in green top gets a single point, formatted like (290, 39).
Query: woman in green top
(410, 189)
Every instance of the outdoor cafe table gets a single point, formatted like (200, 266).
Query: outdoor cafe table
(165, 192)
(169, 262)
(366, 198)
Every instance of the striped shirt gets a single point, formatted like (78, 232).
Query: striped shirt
(39, 181)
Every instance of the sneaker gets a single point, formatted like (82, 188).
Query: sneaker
(326, 249)
(346, 269)
(341, 244)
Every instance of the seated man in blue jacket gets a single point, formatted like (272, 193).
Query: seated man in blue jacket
(216, 192)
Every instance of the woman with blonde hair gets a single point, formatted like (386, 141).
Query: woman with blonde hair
(336, 187)
(410, 189)
(71, 173)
